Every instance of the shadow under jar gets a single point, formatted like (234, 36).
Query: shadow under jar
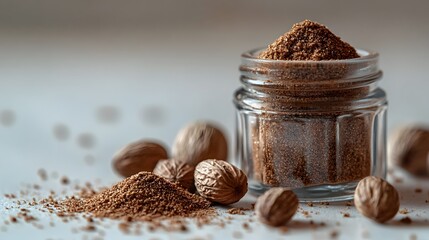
(317, 127)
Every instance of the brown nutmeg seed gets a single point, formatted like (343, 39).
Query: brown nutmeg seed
(177, 172)
(220, 182)
(276, 206)
(408, 148)
(200, 141)
(376, 199)
(138, 156)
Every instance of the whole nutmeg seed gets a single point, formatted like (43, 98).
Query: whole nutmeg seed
(220, 182)
(138, 156)
(276, 206)
(177, 172)
(409, 148)
(200, 141)
(376, 199)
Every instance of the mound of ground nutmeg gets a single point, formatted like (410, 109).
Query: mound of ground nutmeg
(309, 40)
(143, 196)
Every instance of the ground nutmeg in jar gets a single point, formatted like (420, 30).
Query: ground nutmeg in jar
(310, 115)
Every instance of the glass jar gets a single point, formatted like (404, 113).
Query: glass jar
(317, 127)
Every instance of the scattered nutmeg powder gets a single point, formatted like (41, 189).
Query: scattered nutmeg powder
(65, 180)
(236, 211)
(406, 220)
(143, 196)
(404, 211)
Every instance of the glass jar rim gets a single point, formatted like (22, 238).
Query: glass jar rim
(281, 73)
(365, 56)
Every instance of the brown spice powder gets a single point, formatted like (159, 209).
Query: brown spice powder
(404, 211)
(236, 211)
(297, 151)
(143, 196)
(309, 40)
(406, 220)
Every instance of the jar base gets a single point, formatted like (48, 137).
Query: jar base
(319, 193)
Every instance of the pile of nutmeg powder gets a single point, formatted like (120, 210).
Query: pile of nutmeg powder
(143, 196)
(309, 40)
(143, 199)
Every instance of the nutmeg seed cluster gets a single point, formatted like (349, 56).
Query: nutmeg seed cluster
(198, 163)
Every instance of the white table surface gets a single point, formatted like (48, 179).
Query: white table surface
(328, 221)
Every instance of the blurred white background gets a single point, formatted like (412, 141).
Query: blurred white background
(157, 65)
